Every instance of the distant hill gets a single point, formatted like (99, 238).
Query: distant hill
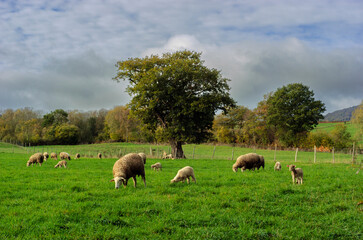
(340, 115)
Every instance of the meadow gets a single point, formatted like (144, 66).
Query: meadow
(80, 202)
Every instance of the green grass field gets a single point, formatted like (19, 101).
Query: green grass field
(80, 203)
(328, 127)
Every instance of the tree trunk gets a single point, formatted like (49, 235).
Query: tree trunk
(176, 149)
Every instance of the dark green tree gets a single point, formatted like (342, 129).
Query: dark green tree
(293, 110)
(176, 92)
(57, 117)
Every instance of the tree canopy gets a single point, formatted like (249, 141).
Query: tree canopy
(293, 110)
(177, 92)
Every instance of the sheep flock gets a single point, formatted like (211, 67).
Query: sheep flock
(133, 164)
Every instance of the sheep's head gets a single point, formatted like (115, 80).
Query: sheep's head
(28, 164)
(291, 167)
(176, 179)
(234, 168)
(118, 181)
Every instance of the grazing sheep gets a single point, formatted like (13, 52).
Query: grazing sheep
(183, 174)
(129, 166)
(249, 161)
(60, 164)
(277, 166)
(53, 156)
(99, 155)
(157, 166)
(35, 159)
(77, 156)
(46, 156)
(64, 155)
(167, 156)
(296, 173)
(143, 157)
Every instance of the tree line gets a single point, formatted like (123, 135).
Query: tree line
(239, 126)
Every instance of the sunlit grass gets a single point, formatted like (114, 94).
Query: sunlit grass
(80, 203)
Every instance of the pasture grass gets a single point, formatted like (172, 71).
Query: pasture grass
(191, 151)
(80, 203)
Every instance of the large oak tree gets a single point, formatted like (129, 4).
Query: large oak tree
(177, 92)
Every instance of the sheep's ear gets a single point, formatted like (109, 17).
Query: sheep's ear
(287, 166)
(112, 180)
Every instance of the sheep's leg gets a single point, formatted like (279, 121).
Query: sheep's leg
(194, 179)
(143, 178)
(293, 180)
(125, 182)
(188, 180)
(134, 179)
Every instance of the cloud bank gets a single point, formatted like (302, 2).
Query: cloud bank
(61, 54)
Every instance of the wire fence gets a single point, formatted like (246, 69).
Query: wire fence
(198, 151)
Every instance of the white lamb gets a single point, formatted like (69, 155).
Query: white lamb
(60, 164)
(296, 173)
(157, 166)
(183, 174)
(277, 166)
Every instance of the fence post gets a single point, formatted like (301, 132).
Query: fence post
(193, 152)
(333, 155)
(275, 153)
(214, 150)
(353, 153)
(232, 153)
(314, 154)
(297, 149)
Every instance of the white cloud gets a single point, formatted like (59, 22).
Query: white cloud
(260, 45)
(257, 68)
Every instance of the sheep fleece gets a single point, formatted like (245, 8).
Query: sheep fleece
(130, 165)
(249, 161)
(35, 159)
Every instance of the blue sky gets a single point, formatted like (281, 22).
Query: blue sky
(62, 54)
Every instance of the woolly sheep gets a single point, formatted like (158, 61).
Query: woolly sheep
(296, 174)
(64, 155)
(167, 156)
(156, 166)
(249, 161)
(54, 156)
(99, 155)
(129, 166)
(277, 166)
(77, 156)
(143, 157)
(35, 159)
(183, 174)
(46, 156)
(60, 164)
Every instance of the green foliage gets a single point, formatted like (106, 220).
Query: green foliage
(177, 92)
(341, 136)
(66, 134)
(357, 120)
(293, 110)
(80, 203)
(56, 117)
